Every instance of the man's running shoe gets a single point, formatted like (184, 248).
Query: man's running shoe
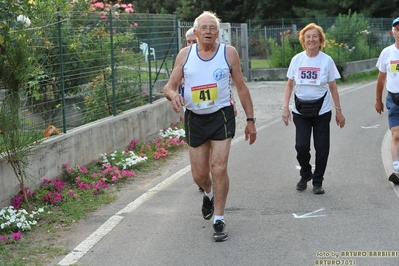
(394, 178)
(220, 233)
(207, 208)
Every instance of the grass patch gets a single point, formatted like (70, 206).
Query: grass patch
(260, 63)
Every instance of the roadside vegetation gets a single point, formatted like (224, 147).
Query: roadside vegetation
(34, 238)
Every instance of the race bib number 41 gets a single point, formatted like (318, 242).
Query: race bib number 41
(204, 93)
(308, 75)
(394, 66)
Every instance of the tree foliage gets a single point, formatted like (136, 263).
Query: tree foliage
(241, 11)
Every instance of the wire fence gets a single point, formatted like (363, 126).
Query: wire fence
(90, 66)
(347, 38)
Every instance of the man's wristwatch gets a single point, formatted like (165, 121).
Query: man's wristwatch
(253, 119)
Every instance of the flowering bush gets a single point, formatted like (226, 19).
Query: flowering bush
(75, 195)
(13, 221)
(282, 53)
(123, 159)
(96, 178)
(168, 138)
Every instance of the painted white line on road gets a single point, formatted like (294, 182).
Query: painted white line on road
(375, 126)
(74, 256)
(140, 200)
(236, 140)
(88, 243)
(354, 87)
(309, 215)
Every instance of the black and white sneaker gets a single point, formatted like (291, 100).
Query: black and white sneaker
(394, 178)
(220, 234)
(207, 208)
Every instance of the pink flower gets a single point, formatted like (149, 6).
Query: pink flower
(99, 185)
(3, 238)
(99, 5)
(16, 235)
(114, 178)
(70, 193)
(83, 170)
(69, 170)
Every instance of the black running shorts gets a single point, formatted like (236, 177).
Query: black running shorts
(219, 125)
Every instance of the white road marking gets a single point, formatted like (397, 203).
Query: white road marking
(298, 167)
(78, 252)
(375, 126)
(309, 215)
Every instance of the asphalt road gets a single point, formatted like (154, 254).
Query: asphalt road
(159, 221)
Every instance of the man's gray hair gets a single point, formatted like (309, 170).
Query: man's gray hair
(190, 32)
(207, 13)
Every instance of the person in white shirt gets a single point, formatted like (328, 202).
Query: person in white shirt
(388, 76)
(208, 67)
(311, 75)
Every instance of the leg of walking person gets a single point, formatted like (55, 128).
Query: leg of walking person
(219, 157)
(200, 168)
(393, 120)
(321, 136)
(302, 146)
(199, 159)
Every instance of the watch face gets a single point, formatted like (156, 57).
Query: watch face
(251, 119)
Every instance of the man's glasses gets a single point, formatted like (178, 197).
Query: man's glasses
(212, 29)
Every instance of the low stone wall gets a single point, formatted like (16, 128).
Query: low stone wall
(280, 73)
(83, 145)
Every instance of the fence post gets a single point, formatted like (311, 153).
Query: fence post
(112, 63)
(149, 54)
(282, 40)
(179, 39)
(61, 72)
(244, 51)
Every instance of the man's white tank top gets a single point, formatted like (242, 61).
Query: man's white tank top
(207, 83)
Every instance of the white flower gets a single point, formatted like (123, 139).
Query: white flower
(24, 20)
(21, 219)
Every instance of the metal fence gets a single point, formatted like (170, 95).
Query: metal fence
(90, 66)
(347, 38)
